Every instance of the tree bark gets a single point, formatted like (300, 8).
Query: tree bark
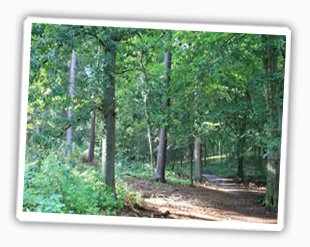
(108, 139)
(273, 158)
(197, 173)
(240, 172)
(162, 146)
(240, 148)
(149, 135)
(205, 152)
(92, 138)
(69, 133)
(191, 155)
(161, 156)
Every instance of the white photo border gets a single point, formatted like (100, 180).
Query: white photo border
(149, 222)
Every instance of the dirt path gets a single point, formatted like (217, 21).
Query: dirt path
(216, 198)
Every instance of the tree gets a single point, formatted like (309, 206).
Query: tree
(162, 146)
(274, 109)
(110, 40)
(109, 114)
(69, 136)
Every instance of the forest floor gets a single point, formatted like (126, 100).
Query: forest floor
(215, 198)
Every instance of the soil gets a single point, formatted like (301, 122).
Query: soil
(215, 198)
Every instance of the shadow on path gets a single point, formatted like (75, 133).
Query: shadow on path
(216, 198)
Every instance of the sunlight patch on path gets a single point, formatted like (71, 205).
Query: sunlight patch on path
(224, 184)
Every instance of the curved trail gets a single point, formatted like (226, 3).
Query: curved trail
(216, 198)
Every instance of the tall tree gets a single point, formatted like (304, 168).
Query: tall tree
(149, 135)
(273, 107)
(69, 134)
(162, 146)
(109, 114)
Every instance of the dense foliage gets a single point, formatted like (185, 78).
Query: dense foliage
(57, 186)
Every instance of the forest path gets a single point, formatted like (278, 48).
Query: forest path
(215, 198)
(226, 184)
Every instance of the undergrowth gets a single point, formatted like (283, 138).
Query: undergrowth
(228, 168)
(55, 185)
(146, 171)
(59, 185)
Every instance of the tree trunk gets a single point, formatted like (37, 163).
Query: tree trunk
(273, 159)
(108, 139)
(191, 155)
(205, 152)
(92, 138)
(272, 188)
(240, 172)
(240, 148)
(197, 173)
(162, 146)
(161, 156)
(69, 133)
(173, 165)
(149, 135)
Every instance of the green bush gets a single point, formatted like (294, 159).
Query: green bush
(55, 186)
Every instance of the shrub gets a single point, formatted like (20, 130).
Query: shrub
(55, 186)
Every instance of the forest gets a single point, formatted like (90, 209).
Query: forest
(154, 123)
